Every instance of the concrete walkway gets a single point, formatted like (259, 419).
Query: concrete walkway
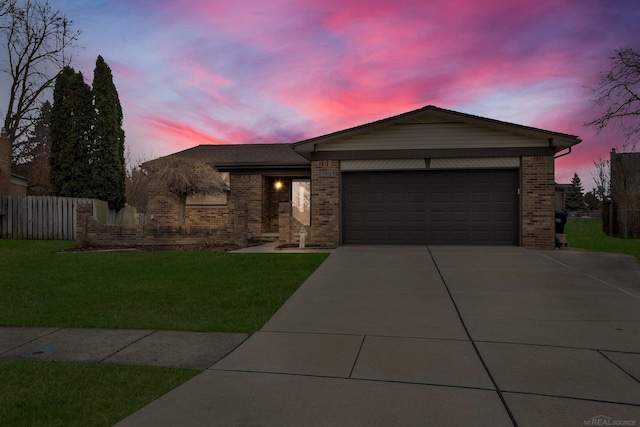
(174, 349)
(434, 336)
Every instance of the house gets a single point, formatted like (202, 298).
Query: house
(429, 176)
(625, 194)
(10, 183)
(561, 196)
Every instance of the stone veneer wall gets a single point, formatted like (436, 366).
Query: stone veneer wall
(537, 193)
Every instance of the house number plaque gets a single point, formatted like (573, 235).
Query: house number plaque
(326, 174)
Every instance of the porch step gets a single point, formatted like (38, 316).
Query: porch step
(269, 237)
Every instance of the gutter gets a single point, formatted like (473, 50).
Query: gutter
(562, 155)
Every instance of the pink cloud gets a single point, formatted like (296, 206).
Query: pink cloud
(179, 135)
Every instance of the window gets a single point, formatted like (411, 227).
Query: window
(210, 200)
(301, 200)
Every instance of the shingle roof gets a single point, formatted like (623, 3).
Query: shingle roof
(245, 155)
(563, 140)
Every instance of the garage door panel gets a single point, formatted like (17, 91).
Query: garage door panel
(430, 207)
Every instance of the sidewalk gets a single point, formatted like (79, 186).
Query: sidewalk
(175, 349)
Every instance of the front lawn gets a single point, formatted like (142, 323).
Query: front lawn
(74, 394)
(587, 234)
(174, 290)
(196, 291)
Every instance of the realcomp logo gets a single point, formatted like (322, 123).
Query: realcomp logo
(603, 420)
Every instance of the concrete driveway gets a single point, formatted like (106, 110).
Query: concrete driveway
(434, 336)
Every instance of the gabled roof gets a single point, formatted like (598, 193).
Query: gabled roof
(559, 141)
(237, 156)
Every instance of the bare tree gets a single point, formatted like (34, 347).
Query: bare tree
(6, 6)
(37, 41)
(136, 182)
(619, 92)
(602, 178)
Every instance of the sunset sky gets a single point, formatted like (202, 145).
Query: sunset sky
(195, 72)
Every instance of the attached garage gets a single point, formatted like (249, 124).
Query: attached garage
(434, 177)
(457, 207)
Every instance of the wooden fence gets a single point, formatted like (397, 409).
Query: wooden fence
(52, 218)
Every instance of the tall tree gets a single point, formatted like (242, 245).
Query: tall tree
(108, 168)
(70, 133)
(618, 91)
(575, 195)
(38, 41)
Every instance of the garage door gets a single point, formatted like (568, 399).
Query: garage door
(448, 207)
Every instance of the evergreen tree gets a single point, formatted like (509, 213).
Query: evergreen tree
(108, 168)
(575, 195)
(70, 135)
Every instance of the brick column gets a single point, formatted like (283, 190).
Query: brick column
(538, 202)
(241, 224)
(284, 223)
(84, 213)
(325, 203)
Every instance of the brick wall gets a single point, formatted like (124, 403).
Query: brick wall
(537, 191)
(212, 216)
(93, 233)
(5, 164)
(247, 189)
(325, 203)
(164, 208)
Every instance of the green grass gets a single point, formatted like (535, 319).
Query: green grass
(588, 234)
(197, 291)
(174, 290)
(74, 394)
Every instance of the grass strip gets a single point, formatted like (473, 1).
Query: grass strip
(173, 290)
(74, 394)
(587, 234)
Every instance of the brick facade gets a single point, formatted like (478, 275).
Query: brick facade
(537, 202)
(247, 189)
(269, 210)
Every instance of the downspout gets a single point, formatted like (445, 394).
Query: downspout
(578, 140)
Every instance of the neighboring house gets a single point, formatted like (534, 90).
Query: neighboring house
(625, 193)
(10, 183)
(561, 196)
(429, 176)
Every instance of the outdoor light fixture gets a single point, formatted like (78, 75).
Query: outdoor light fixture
(278, 185)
